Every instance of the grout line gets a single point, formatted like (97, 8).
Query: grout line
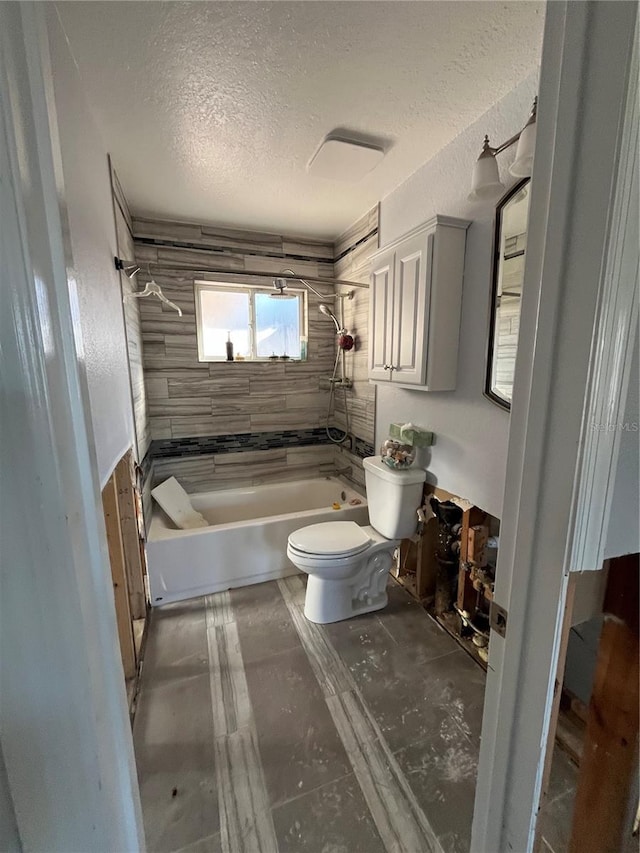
(194, 844)
(308, 791)
(400, 821)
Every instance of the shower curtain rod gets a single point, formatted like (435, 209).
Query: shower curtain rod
(123, 266)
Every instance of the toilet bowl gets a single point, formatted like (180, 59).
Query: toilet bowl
(347, 567)
(348, 564)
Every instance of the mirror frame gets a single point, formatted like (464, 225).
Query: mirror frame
(497, 224)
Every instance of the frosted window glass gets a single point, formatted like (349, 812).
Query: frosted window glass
(277, 326)
(222, 312)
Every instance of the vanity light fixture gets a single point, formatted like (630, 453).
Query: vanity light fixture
(486, 184)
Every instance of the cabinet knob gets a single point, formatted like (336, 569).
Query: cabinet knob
(386, 367)
(391, 367)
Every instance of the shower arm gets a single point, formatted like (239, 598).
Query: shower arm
(306, 283)
(347, 295)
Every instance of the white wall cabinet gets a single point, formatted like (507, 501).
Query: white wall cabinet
(415, 301)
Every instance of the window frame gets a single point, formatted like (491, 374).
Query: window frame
(250, 290)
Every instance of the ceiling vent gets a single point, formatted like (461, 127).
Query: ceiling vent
(344, 159)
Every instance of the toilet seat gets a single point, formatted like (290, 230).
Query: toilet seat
(330, 540)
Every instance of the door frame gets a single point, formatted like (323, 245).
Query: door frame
(65, 734)
(579, 174)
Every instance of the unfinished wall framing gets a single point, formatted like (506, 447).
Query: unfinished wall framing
(122, 509)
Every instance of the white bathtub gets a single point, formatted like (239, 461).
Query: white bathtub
(247, 540)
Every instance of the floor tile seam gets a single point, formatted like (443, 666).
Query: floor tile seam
(345, 673)
(400, 645)
(267, 657)
(255, 815)
(467, 737)
(387, 631)
(146, 689)
(397, 772)
(373, 778)
(262, 660)
(191, 844)
(415, 744)
(314, 790)
(226, 737)
(570, 792)
(329, 682)
(260, 806)
(251, 723)
(378, 741)
(394, 780)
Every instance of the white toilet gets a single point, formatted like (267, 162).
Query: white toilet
(348, 564)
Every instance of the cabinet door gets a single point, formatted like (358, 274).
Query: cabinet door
(381, 317)
(412, 279)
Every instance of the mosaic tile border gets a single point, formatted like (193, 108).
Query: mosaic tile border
(362, 448)
(236, 442)
(239, 442)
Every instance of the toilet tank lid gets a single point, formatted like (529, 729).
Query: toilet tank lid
(399, 476)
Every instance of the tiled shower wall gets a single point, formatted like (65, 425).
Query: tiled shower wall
(282, 404)
(352, 253)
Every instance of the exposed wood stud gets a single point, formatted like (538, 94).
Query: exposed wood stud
(603, 813)
(467, 595)
(118, 574)
(130, 531)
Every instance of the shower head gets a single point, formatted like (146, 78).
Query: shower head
(324, 309)
(280, 285)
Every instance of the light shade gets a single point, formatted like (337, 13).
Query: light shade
(522, 166)
(486, 184)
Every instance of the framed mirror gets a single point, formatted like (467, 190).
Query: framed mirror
(509, 248)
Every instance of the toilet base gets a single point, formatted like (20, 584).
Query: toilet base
(331, 600)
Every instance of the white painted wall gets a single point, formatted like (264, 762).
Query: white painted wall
(9, 836)
(469, 456)
(624, 523)
(93, 242)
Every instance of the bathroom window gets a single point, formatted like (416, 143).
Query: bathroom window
(261, 326)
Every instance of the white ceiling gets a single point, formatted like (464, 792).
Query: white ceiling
(212, 110)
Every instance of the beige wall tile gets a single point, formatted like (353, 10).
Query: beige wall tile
(182, 406)
(185, 427)
(279, 455)
(208, 387)
(293, 419)
(157, 387)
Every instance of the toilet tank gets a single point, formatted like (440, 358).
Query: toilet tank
(393, 496)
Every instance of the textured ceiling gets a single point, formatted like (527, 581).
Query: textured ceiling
(212, 110)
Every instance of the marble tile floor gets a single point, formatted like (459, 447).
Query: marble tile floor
(257, 730)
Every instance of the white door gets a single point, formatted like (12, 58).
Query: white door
(411, 310)
(578, 232)
(381, 317)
